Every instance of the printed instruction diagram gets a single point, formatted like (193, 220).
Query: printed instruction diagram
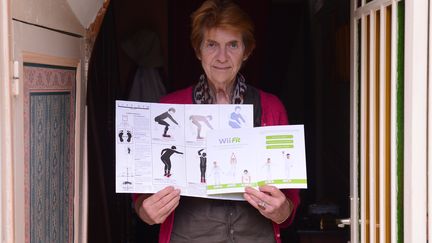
(165, 144)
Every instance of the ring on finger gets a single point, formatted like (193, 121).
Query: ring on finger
(262, 205)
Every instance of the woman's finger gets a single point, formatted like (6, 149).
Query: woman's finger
(173, 205)
(272, 190)
(262, 205)
(167, 203)
(159, 204)
(260, 196)
(160, 194)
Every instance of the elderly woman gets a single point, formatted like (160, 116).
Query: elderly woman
(222, 36)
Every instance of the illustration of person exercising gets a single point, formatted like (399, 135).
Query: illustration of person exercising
(233, 164)
(161, 120)
(246, 178)
(203, 165)
(166, 158)
(288, 164)
(268, 169)
(216, 173)
(197, 120)
(236, 119)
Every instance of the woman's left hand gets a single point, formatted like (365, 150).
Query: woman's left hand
(270, 202)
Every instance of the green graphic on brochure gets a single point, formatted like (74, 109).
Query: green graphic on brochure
(273, 155)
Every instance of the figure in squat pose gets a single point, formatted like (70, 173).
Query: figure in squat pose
(197, 120)
(166, 159)
(161, 120)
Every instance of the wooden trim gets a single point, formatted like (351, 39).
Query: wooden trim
(393, 140)
(363, 141)
(371, 6)
(84, 193)
(429, 132)
(384, 128)
(79, 203)
(372, 128)
(49, 60)
(381, 129)
(354, 193)
(93, 29)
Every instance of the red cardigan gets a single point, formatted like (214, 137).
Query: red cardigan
(273, 113)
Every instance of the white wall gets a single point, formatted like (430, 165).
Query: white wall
(85, 10)
(55, 14)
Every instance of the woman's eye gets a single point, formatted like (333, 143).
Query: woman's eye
(233, 45)
(210, 45)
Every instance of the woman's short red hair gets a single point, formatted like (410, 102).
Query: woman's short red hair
(221, 14)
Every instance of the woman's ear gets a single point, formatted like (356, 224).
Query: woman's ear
(198, 54)
(245, 56)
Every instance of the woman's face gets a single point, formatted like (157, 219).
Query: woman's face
(222, 54)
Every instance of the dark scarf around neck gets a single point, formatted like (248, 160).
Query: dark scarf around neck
(202, 94)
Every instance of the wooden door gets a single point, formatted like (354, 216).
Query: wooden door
(46, 119)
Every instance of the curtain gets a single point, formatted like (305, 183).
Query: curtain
(110, 214)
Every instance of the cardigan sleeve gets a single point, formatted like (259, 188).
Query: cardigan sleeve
(294, 196)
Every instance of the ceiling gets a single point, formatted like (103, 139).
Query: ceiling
(85, 10)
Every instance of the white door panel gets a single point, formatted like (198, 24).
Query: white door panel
(46, 127)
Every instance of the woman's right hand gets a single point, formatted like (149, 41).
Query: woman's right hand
(155, 208)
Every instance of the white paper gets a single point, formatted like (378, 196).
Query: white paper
(273, 155)
(153, 137)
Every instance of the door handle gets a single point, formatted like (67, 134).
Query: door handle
(341, 223)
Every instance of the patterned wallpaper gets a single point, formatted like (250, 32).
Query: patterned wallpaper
(49, 152)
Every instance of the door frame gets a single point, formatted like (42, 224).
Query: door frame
(7, 231)
(417, 138)
(23, 50)
(415, 120)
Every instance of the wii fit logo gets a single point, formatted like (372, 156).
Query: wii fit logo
(229, 140)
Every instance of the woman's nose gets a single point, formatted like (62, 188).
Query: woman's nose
(222, 54)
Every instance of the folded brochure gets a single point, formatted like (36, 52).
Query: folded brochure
(166, 144)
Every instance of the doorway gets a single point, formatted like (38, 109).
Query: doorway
(302, 56)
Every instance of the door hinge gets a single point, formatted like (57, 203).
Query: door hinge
(15, 79)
